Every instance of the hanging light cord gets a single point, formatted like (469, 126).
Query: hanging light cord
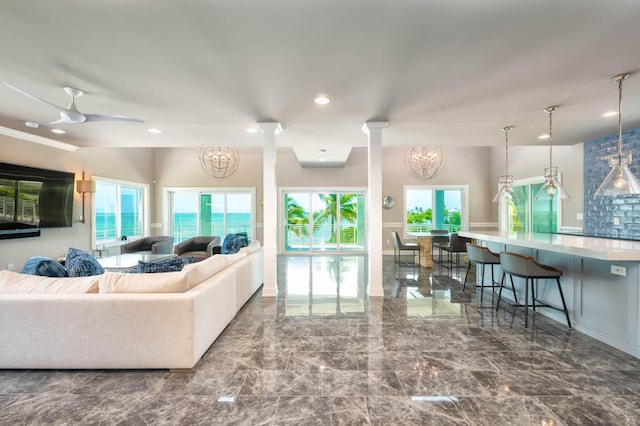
(550, 111)
(506, 150)
(620, 121)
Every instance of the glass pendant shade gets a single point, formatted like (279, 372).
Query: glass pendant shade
(551, 188)
(620, 180)
(505, 191)
(505, 185)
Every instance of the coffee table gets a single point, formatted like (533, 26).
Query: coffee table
(129, 261)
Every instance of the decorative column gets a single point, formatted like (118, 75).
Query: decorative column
(374, 206)
(270, 208)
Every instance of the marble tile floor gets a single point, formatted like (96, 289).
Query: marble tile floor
(322, 353)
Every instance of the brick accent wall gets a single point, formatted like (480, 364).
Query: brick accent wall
(600, 212)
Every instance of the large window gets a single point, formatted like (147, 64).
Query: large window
(120, 209)
(318, 220)
(209, 212)
(435, 207)
(526, 214)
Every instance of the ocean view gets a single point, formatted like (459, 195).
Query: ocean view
(185, 225)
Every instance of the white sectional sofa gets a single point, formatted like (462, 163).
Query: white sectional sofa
(124, 321)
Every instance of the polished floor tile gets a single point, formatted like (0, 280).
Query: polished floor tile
(323, 353)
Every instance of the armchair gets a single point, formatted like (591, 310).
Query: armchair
(149, 245)
(199, 247)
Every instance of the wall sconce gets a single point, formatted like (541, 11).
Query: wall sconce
(83, 187)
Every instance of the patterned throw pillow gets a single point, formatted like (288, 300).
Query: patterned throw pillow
(165, 265)
(81, 264)
(44, 266)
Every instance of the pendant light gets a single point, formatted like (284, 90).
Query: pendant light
(552, 186)
(620, 180)
(505, 191)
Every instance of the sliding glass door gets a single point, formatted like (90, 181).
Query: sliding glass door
(323, 221)
(218, 213)
(525, 214)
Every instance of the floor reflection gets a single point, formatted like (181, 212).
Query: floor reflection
(322, 285)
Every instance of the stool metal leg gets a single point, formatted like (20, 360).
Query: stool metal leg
(482, 284)
(466, 276)
(500, 291)
(513, 287)
(533, 295)
(526, 302)
(564, 305)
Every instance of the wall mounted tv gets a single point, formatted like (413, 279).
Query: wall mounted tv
(32, 198)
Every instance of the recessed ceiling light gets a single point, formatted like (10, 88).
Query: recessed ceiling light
(609, 114)
(252, 130)
(322, 151)
(322, 100)
(544, 136)
(31, 124)
(58, 131)
(155, 131)
(322, 159)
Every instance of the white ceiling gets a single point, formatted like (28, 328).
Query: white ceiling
(442, 72)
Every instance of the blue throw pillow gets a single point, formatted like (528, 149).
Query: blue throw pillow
(165, 265)
(234, 242)
(229, 245)
(242, 242)
(44, 266)
(81, 264)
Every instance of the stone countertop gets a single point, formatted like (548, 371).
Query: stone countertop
(589, 247)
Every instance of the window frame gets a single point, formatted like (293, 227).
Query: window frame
(119, 183)
(503, 215)
(282, 216)
(464, 204)
(168, 204)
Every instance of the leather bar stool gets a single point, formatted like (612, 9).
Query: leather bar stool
(480, 255)
(518, 265)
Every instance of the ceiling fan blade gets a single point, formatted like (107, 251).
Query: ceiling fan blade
(29, 95)
(100, 117)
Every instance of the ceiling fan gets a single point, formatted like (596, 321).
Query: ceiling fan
(71, 115)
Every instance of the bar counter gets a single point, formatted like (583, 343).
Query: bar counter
(600, 281)
(591, 247)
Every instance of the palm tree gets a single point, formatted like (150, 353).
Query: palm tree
(348, 211)
(297, 218)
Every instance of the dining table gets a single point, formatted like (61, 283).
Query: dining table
(425, 241)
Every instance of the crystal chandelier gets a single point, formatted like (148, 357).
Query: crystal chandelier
(505, 190)
(620, 180)
(219, 162)
(552, 185)
(424, 162)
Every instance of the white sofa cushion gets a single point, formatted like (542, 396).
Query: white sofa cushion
(230, 259)
(200, 271)
(14, 282)
(163, 282)
(253, 246)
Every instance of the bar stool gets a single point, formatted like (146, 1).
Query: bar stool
(526, 267)
(480, 255)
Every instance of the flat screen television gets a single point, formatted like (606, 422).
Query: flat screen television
(32, 198)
